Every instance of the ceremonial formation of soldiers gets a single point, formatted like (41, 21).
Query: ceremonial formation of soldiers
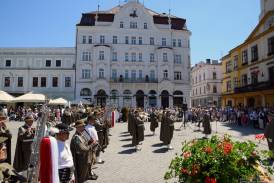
(76, 162)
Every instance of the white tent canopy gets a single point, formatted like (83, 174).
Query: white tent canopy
(58, 101)
(5, 97)
(30, 97)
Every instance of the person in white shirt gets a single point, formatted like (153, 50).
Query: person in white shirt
(65, 158)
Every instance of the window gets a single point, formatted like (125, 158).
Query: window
(177, 75)
(214, 75)
(114, 56)
(83, 39)
(55, 82)
(244, 80)
(140, 40)
(235, 62)
(48, 63)
(58, 63)
(90, 40)
(235, 81)
(67, 81)
(134, 41)
(254, 78)
(244, 57)
(140, 57)
(133, 75)
(145, 26)
(121, 25)
(86, 74)
(35, 82)
(177, 59)
(179, 42)
(214, 89)
(101, 73)
(43, 82)
(270, 46)
(152, 41)
(140, 74)
(126, 40)
(204, 91)
(114, 39)
(228, 66)
(228, 86)
(152, 74)
(101, 55)
(174, 42)
(200, 90)
(8, 63)
(204, 76)
(114, 73)
(152, 57)
(163, 42)
(164, 57)
(133, 25)
(126, 74)
(20, 82)
(7, 82)
(102, 39)
(86, 56)
(133, 56)
(196, 91)
(126, 57)
(199, 78)
(254, 53)
(165, 74)
(85, 92)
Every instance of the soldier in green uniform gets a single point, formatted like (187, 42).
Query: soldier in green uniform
(7, 173)
(80, 148)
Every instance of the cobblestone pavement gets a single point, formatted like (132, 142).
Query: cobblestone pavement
(124, 165)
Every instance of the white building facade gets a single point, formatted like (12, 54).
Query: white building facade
(132, 56)
(206, 83)
(50, 71)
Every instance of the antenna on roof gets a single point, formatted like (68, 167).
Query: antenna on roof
(96, 16)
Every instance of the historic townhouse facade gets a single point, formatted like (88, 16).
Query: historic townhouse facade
(133, 56)
(206, 80)
(248, 69)
(50, 71)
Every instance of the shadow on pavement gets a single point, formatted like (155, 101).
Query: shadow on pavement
(127, 151)
(126, 135)
(126, 139)
(124, 132)
(128, 145)
(157, 145)
(244, 130)
(149, 135)
(161, 150)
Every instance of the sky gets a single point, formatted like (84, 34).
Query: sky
(217, 26)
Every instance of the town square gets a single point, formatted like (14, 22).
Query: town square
(137, 91)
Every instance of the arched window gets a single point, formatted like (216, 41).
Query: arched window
(85, 92)
(152, 74)
(165, 74)
(101, 73)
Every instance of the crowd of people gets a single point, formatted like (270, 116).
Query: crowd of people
(76, 161)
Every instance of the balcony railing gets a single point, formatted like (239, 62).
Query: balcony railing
(255, 87)
(137, 80)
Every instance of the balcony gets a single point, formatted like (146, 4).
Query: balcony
(255, 87)
(137, 80)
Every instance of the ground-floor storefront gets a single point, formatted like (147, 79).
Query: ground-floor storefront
(263, 98)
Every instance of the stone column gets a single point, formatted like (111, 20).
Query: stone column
(263, 100)
(170, 101)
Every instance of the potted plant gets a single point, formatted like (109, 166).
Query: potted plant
(219, 159)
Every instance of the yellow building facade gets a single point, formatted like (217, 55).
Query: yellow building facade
(248, 69)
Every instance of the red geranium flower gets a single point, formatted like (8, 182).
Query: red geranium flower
(259, 136)
(184, 170)
(207, 149)
(187, 154)
(210, 180)
(227, 148)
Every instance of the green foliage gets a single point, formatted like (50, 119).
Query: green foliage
(218, 159)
